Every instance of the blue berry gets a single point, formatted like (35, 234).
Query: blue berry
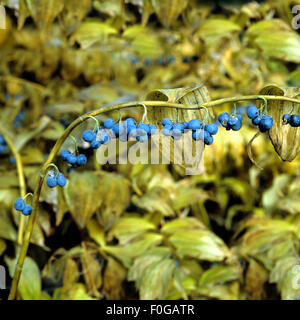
(134, 60)
(223, 118)
(19, 118)
(130, 127)
(130, 121)
(3, 148)
(160, 61)
(116, 129)
(176, 133)
(71, 158)
(12, 160)
(19, 204)
(88, 135)
(143, 127)
(109, 123)
(167, 121)
(27, 210)
(266, 123)
(198, 135)
(237, 126)
(208, 140)
(256, 120)
(185, 124)
(252, 112)
(51, 182)
(170, 59)
(195, 124)
(239, 116)
(152, 129)
(178, 126)
(185, 59)
(133, 131)
(95, 144)
(232, 121)
(142, 138)
(294, 120)
(64, 155)
(147, 61)
(286, 117)
(81, 160)
(104, 137)
(123, 137)
(167, 130)
(61, 180)
(2, 140)
(177, 137)
(211, 128)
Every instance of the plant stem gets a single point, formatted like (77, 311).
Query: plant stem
(83, 118)
(21, 179)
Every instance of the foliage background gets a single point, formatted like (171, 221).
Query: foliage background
(143, 231)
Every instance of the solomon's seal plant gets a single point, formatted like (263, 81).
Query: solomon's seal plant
(124, 130)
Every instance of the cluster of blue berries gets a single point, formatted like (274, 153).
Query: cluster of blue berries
(75, 161)
(199, 130)
(264, 122)
(19, 118)
(164, 61)
(231, 122)
(292, 119)
(96, 137)
(21, 206)
(3, 144)
(54, 180)
(122, 130)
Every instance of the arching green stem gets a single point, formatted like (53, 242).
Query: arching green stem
(68, 131)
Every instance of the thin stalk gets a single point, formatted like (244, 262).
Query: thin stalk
(68, 131)
(21, 178)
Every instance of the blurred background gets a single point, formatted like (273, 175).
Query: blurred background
(148, 231)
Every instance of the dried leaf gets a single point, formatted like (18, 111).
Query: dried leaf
(285, 138)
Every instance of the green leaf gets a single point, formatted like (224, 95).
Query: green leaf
(116, 197)
(30, 282)
(183, 224)
(136, 248)
(96, 232)
(267, 26)
(168, 10)
(286, 274)
(7, 230)
(153, 273)
(113, 278)
(210, 29)
(128, 228)
(203, 245)
(280, 45)
(220, 274)
(255, 279)
(91, 32)
(157, 199)
(2, 247)
(83, 195)
(73, 15)
(44, 12)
